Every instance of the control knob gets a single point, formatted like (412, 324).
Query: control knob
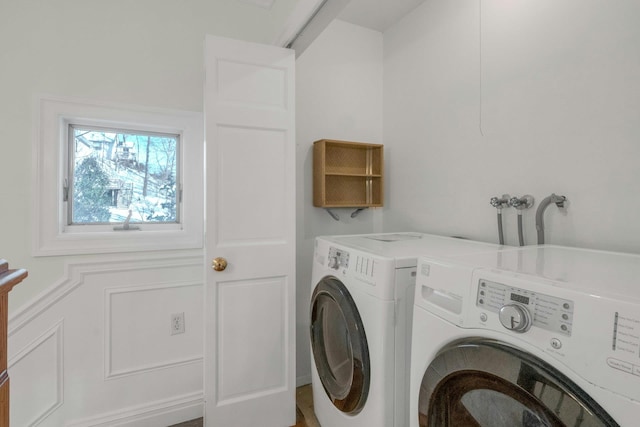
(515, 317)
(334, 262)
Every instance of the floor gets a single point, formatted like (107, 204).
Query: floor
(304, 403)
(304, 411)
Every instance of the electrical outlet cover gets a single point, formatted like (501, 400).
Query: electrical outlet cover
(177, 323)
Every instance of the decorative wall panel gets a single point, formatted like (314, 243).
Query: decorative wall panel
(138, 328)
(37, 378)
(121, 364)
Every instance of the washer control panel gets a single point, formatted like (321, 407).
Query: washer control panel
(338, 258)
(519, 309)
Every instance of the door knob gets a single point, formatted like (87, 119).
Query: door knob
(219, 264)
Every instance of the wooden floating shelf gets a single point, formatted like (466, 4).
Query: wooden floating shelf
(347, 174)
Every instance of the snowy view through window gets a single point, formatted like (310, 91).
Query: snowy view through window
(117, 173)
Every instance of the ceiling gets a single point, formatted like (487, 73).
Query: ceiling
(377, 14)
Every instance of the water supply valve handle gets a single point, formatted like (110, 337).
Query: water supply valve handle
(500, 203)
(524, 202)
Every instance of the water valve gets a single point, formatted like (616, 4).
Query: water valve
(500, 203)
(524, 202)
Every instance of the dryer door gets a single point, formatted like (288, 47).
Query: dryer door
(339, 346)
(491, 384)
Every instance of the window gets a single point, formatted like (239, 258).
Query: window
(116, 178)
(122, 176)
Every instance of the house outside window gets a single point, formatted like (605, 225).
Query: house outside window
(117, 176)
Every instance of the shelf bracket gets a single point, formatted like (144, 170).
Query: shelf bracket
(333, 214)
(356, 212)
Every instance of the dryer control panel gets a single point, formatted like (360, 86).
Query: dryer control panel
(519, 309)
(361, 264)
(366, 272)
(338, 258)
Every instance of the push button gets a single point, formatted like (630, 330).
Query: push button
(620, 365)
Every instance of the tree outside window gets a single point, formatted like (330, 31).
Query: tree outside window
(119, 174)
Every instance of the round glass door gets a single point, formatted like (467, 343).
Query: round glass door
(339, 346)
(484, 383)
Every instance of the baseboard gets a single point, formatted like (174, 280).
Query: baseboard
(303, 380)
(160, 413)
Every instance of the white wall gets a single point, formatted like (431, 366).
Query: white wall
(553, 109)
(338, 96)
(526, 97)
(99, 340)
(147, 52)
(96, 349)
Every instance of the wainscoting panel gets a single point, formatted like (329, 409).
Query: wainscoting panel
(138, 335)
(40, 363)
(117, 362)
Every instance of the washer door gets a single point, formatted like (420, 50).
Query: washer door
(339, 346)
(491, 384)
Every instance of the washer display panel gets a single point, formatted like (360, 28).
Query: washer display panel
(482, 383)
(339, 346)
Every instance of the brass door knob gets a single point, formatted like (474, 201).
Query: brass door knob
(219, 264)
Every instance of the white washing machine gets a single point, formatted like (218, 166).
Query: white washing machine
(538, 336)
(361, 303)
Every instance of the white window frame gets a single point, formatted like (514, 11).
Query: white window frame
(51, 234)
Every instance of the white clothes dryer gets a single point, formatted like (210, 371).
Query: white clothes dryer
(537, 336)
(360, 323)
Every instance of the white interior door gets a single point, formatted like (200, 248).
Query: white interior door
(250, 222)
